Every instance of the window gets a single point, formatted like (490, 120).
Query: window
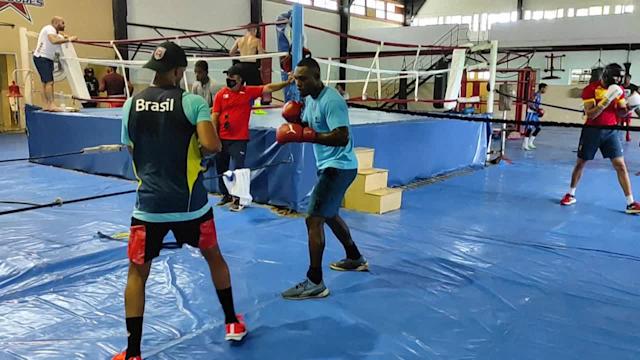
(456, 19)
(595, 10)
(538, 15)
(580, 76)
(550, 14)
(326, 4)
(478, 75)
(499, 18)
(303, 2)
(379, 9)
(483, 22)
(358, 7)
(358, 10)
(582, 12)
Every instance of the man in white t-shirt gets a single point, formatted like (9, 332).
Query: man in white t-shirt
(49, 40)
(204, 85)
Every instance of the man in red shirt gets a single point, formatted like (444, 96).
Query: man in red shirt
(231, 112)
(604, 102)
(113, 84)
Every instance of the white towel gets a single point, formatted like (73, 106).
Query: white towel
(238, 182)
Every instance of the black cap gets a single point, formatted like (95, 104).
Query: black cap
(167, 56)
(233, 70)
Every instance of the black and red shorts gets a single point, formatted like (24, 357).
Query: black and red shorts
(146, 238)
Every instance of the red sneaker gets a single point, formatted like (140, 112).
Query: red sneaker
(122, 355)
(633, 208)
(236, 331)
(568, 199)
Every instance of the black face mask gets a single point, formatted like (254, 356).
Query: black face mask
(231, 83)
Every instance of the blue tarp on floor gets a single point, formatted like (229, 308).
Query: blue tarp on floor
(434, 147)
(482, 266)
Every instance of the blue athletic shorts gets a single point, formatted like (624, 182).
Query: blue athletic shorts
(593, 139)
(329, 191)
(45, 68)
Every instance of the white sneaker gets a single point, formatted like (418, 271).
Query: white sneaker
(531, 146)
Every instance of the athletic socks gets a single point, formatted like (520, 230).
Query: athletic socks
(134, 330)
(531, 140)
(629, 199)
(226, 301)
(315, 275)
(572, 191)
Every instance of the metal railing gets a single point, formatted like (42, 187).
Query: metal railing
(391, 90)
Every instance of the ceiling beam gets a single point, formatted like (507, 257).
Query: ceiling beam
(411, 9)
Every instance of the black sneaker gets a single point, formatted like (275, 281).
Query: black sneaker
(347, 264)
(225, 200)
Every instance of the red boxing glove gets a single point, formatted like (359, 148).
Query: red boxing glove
(292, 111)
(287, 133)
(540, 112)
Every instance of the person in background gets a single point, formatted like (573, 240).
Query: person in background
(534, 113)
(342, 91)
(49, 40)
(92, 86)
(231, 114)
(629, 89)
(248, 45)
(203, 85)
(628, 86)
(113, 84)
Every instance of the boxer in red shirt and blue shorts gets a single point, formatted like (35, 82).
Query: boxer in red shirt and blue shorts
(604, 102)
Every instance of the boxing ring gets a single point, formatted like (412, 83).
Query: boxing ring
(481, 264)
(394, 137)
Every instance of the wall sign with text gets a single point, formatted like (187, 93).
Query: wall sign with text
(20, 6)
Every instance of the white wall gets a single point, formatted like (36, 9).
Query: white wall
(193, 14)
(571, 31)
(357, 23)
(418, 35)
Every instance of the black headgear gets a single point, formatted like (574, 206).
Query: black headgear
(610, 73)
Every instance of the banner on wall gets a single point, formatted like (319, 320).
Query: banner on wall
(20, 6)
